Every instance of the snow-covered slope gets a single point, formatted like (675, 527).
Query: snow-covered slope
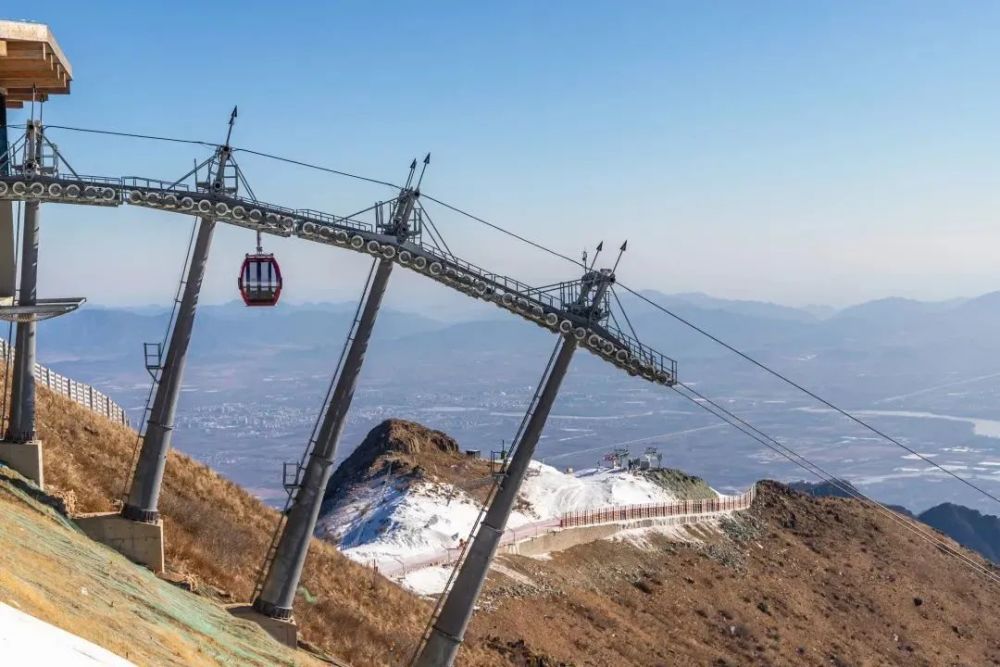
(400, 519)
(551, 493)
(25, 640)
(389, 523)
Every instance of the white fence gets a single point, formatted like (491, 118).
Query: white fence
(78, 392)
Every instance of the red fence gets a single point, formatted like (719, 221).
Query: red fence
(394, 566)
(617, 513)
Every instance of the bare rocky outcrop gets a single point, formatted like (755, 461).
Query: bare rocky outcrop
(409, 451)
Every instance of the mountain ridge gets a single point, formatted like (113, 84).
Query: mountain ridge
(967, 526)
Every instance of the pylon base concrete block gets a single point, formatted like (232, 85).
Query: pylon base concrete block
(286, 632)
(139, 542)
(25, 458)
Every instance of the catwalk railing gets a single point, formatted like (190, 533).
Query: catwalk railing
(694, 509)
(78, 392)
(606, 341)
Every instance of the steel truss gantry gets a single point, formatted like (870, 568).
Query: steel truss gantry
(542, 306)
(577, 311)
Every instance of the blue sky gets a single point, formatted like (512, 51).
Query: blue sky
(821, 152)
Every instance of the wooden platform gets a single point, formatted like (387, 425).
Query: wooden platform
(30, 58)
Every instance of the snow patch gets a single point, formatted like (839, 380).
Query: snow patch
(26, 640)
(552, 493)
(427, 580)
(640, 537)
(409, 528)
(387, 522)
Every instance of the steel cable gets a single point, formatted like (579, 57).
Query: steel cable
(815, 469)
(807, 392)
(734, 350)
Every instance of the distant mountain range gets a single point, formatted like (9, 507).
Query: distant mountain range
(903, 328)
(841, 489)
(859, 355)
(970, 528)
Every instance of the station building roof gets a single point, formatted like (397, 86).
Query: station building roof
(31, 63)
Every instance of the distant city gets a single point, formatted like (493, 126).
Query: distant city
(249, 404)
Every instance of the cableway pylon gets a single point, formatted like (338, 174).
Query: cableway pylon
(397, 232)
(587, 299)
(276, 591)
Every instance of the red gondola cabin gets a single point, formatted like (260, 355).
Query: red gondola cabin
(260, 280)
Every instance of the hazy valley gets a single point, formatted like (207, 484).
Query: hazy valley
(255, 382)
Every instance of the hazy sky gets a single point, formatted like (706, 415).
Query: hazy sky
(820, 152)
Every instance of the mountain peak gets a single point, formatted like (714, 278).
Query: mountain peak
(403, 447)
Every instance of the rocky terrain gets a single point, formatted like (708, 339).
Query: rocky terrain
(796, 581)
(969, 527)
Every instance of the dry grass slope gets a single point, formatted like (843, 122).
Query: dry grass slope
(808, 582)
(53, 571)
(217, 533)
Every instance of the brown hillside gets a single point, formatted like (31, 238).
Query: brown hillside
(803, 581)
(799, 581)
(217, 533)
(54, 572)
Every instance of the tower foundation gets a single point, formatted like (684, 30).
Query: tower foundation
(283, 631)
(140, 542)
(25, 458)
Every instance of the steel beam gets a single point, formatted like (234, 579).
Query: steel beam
(7, 250)
(22, 398)
(451, 623)
(4, 145)
(22, 424)
(282, 579)
(144, 492)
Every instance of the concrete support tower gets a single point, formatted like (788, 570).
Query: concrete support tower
(138, 531)
(32, 67)
(272, 607)
(144, 492)
(21, 428)
(589, 306)
(449, 628)
(21, 435)
(282, 579)
(7, 252)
